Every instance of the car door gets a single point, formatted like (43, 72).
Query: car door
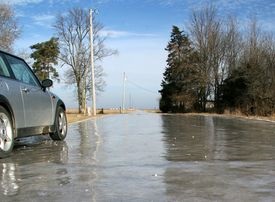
(11, 91)
(37, 103)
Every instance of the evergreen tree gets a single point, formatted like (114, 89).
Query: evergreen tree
(45, 55)
(179, 86)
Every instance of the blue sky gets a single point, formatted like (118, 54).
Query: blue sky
(139, 30)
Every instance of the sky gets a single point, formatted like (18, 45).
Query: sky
(138, 29)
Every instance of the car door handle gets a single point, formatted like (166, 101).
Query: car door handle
(25, 90)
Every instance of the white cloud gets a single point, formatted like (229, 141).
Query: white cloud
(26, 2)
(30, 39)
(21, 2)
(60, 2)
(268, 26)
(124, 34)
(43, 17)
(43, 20)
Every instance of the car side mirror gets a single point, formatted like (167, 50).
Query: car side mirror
(47, 83)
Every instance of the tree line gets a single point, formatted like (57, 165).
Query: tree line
(219, 66)
(69, 47)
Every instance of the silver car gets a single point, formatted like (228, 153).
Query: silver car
(26, 106)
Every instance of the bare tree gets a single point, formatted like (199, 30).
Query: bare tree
(25, 54)
(233, 46)
(9, 30)
(73, 33)
(208, 36)
(258, 62)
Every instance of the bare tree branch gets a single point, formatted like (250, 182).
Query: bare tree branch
(9, 30)
(73, 33)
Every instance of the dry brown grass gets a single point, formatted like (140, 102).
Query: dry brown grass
(237, 115)
(73, 115)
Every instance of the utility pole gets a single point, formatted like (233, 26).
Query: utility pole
(123, 99)
(92, 64)
(131, 102)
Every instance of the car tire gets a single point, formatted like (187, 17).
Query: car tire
(6, 133)
(61, 125)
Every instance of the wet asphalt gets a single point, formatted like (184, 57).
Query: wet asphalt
(145, 157)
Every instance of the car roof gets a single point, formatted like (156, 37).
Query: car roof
(7, 53)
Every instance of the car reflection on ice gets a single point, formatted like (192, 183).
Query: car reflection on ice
(12, 172)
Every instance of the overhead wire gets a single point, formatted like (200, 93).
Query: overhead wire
(141, 87)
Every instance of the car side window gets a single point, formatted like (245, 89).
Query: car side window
(3, 68)
(21, 71)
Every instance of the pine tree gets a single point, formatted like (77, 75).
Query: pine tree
(45, 55)
(179, 85)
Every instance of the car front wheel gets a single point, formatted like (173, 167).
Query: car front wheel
(6, 133)
(60, 125)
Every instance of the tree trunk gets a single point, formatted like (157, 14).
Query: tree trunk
(79, 97)
(83, 100)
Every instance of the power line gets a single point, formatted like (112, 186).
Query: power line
(141, 87)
